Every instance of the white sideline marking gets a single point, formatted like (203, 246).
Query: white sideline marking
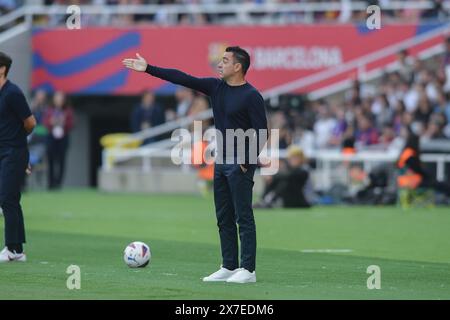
(326, 250)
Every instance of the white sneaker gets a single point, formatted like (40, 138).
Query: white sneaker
(221, 275)
(243, 276)
(8, 256)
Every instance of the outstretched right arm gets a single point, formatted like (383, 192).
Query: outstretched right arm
(204, 85)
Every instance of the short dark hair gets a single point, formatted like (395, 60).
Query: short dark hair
(241, 57)
(5, 61)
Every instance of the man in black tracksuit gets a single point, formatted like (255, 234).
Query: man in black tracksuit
(236, 105)
(16, 122)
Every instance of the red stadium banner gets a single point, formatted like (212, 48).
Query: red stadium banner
(88, 61)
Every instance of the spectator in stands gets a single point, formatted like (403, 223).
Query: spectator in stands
(141, 18)
(411, 98)
(410, 171)
(397, 116)
(435, 127)
(366, 133)
(424, 110)
(304, 138)
(340, 127)
(348, 145)
(7, 6)
(405, 63)
(58, 119)
(445, 69)
(441, 102)
(408, 120)
(446, 59)
(203, 162)
(185, 97)
(436, 12)
(285, 138)
(431, 85)
(411, 14)
(446, 108)
(200, 104)
(147, 114)
(37, 140)
(418, 67)
(324, 126)
(382, 110)
(197, 19)
(38, 105)
(287, 187)
(353, 96)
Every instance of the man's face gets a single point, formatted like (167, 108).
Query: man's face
(295, 161)
(59, 99)
(2, 71)
(364, 123)
(41, 96)
(227, 66)
(148, 99)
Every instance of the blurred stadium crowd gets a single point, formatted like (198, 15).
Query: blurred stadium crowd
(345, 14)
(416, 96)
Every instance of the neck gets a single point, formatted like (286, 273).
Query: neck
(2, 81)
(236, 80)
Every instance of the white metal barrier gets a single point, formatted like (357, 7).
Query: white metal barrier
(326, 161)
(368, 159)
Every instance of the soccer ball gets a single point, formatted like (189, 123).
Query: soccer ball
(137, 255)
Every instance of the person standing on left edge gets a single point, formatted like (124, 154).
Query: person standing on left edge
(16, 122)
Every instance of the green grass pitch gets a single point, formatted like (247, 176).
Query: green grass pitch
(91, 229)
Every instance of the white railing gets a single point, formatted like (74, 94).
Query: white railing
(12, 16)
(166, 127)
(13, 32)
(327, 161)
(118, 153)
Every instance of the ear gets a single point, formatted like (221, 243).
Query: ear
(237, 66)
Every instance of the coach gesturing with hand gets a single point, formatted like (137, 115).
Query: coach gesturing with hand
(236, 105)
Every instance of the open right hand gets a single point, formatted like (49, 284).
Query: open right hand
(138, 64)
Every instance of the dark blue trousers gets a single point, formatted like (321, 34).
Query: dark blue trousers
(56, 155)
(233, 200)
(13, 163)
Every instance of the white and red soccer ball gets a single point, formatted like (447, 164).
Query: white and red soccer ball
(137, 255)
